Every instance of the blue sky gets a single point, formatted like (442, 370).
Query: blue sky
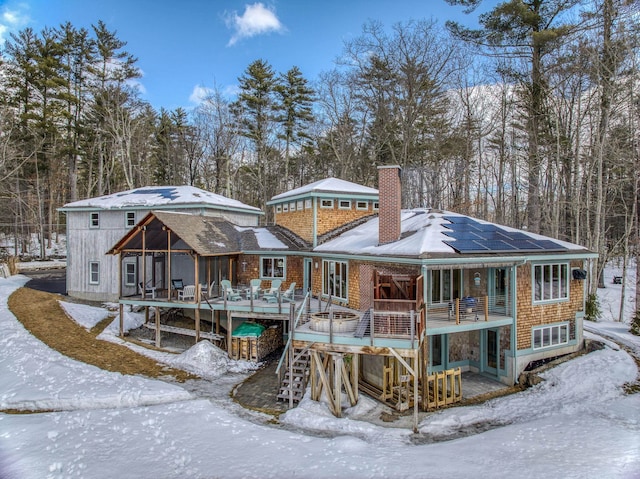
(187, 45)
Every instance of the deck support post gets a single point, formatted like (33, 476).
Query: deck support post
(415, 392)
(121, 320)
(338, 366)
(229, 323)
(157, 327)
(197, 317)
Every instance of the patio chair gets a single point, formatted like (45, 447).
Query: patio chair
(207, 291)
(289, 293)
(254, 288)
(177, 285)
(273, 291)
(188, 292)
(147, 290)
(229, 293)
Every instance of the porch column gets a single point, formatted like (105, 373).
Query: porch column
(120, 275)
(169, 283)
(144, 261)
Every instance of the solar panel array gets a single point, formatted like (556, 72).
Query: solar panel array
(471, 236)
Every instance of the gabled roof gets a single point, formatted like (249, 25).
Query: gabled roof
(428, 234)
(329, 186)
(161, 197)
(204, 235)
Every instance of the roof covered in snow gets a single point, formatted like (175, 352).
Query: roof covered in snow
(161, 197)
(426, 233)
(206, 235)
(328, 185)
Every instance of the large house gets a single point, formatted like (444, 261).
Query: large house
(95, 224)
(369, 296)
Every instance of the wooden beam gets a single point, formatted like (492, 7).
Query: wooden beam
(157, 327)
(336, 395)
(121, 320)
(197, 315)
(403, 362)
(415, 394)
(348, 387)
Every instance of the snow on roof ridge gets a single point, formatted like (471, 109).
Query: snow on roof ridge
(154, 196)
(330, 184)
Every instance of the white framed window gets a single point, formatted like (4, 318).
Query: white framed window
(307, 204)
(299, 205)
(326, 204)
(130, 218)
(273, 267)
(292, 206)
(550, 282)
(335, 279)
(94, 272)
(344, 204)
(130, 274)
(285, 208)
(376, 206)
(548, 336)
(445, 285)
(362, 205)
(94, 221)
(278, 208)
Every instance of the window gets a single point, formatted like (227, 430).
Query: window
(130, 218)
(362, 205)
(278, 208)
(285, 208)
(299, 205)
(307, 204)
(376, 205)
(130, 274)
(95, 220)
(292, 206)
(273, 267)
(344, 204)
(445, 285)
(547, 336)
(334, 279)
(326, 204)
(550, 282)
(94, 272)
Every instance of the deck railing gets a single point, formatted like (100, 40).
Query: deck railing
(477, 308)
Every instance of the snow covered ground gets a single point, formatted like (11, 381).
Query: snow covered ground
(97, 424)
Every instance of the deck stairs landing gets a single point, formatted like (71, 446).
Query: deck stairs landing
(296, 377)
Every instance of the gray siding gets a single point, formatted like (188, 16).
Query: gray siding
(86, 244)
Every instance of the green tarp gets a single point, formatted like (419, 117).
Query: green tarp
(248, 329)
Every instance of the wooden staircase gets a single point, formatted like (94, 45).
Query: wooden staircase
(295, 378)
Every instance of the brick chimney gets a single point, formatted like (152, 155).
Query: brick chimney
(389, 189)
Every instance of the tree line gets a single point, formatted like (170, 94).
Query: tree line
(529, 120)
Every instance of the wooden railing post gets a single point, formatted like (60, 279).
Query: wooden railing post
(486, 308)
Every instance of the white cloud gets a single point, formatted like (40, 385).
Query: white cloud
(256, 20)
(199, 94)
(11, 21)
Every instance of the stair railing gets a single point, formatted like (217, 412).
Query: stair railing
(285, 353)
